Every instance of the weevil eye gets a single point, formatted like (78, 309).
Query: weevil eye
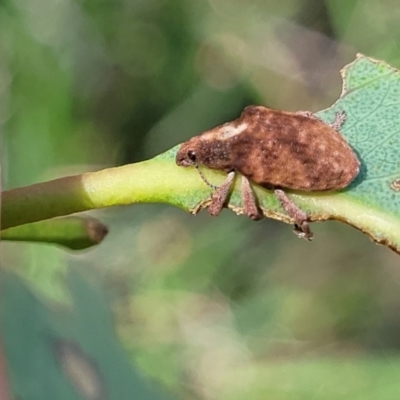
(192, 155)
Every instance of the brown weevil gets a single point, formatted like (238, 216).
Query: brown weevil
(277, 150)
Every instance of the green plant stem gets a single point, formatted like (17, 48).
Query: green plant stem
(75, 232)
(159, 180)
(149, 181)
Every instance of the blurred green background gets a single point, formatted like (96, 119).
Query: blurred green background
(207, 308)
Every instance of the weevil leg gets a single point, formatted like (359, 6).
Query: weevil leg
(301, 227)
(249, 201)
(340, 118)
(220, 195)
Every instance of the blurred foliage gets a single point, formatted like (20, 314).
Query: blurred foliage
(59, 353)
(204, 306)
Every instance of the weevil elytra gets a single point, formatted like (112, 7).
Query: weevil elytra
(277, 150)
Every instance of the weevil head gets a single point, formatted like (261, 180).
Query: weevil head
(188, 153)
(206, 149)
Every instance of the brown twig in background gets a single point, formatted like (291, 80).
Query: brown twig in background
(4, 382)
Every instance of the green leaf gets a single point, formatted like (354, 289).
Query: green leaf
(370, 96)
(370, 99)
